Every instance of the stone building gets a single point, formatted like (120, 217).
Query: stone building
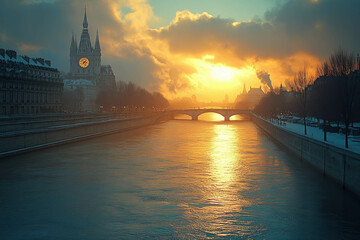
(28, 85)
(249, 99)
(79, 95)
(86, 70)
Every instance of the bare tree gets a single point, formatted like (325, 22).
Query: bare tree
(324, 105)
(134, 98)
(300, 85)
(323, 70)
(342, 66)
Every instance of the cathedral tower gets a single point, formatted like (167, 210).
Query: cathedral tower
(85, 61)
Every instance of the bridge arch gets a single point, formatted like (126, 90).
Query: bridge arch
(182, 116)
(222, 117)
(195, 113)
(239, 116)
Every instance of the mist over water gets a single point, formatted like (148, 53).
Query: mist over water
(177, 180)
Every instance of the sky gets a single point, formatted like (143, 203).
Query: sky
(238, 10)
(207, 48)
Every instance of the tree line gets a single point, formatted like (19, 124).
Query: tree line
(332, 96)
(130, 97)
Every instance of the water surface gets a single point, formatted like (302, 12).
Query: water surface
(177, 180)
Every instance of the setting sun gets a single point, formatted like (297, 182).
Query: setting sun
(217, 79)
(222, 73)
(214, 71)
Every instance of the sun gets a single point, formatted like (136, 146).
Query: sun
(211, 80)
(215, 72)
(222, 73)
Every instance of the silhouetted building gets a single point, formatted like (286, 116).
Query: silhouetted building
(86, 70)
(107, 78)
(255, 93)
(79, 95)
(249, 99)
(28, 85)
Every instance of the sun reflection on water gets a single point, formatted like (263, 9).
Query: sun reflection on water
(219, 205)
(224, 154)
(222, 204)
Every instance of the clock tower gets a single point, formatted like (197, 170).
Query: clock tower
(85, 61)
(87, 75)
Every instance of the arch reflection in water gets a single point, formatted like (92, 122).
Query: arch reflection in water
(211, 117)
(240, 117)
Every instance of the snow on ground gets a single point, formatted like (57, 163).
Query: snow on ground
(335, 139)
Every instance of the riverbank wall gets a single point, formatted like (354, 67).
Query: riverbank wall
(341, 165)
(16, 142)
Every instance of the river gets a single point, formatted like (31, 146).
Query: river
(177, 180)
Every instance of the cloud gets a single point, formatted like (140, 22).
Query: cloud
(171, 59)
(294, 34)
(318, 26)
(28, 48)
(313, 27)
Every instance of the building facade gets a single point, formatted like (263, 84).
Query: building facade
(79, 95)
(28, 85)
(86, 70)
(249, 99)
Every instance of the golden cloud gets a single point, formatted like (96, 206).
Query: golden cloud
(196, 53)
(200, 54)
(28, 48)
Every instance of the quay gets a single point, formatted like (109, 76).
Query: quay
(24, 134)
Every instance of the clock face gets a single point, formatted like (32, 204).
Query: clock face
(84, 62)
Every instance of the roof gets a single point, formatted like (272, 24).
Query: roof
(106, 69)
(25, 60)
(256, 91)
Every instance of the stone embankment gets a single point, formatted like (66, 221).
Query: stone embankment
(339, 164)
(25, 134)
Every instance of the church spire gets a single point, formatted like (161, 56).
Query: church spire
(85, 44)
(73, 45)
(76, 45)
(72, 42)
(85, 23)
(244, 90)
(97, 42)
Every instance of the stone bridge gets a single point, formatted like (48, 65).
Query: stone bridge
(195, 113)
